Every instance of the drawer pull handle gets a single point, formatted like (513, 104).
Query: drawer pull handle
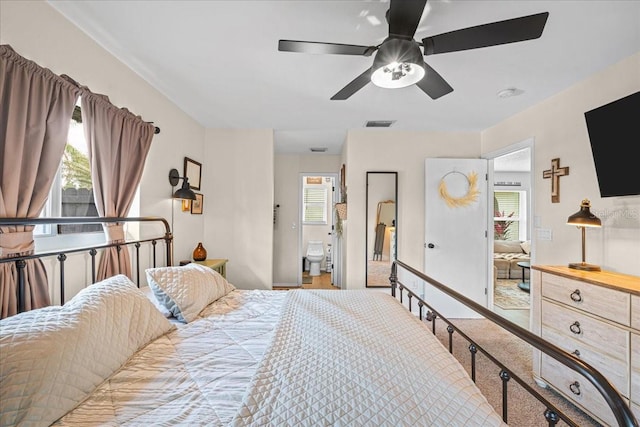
(575, 388)
(575, 295)
(576, 352)
(575, 328)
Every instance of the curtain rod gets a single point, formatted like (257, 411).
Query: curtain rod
(156, 129)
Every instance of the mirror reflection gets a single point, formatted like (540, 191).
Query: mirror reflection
(381, 226)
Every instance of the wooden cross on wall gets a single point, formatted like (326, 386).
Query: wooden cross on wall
(555, 173)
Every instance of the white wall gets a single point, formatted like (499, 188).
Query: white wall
(238, 172)
(241, 173)
(288, 167)
(403, 152)
(559, 130)
(38, 32)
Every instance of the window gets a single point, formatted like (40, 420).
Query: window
(71, 193)
(314, 205)
(509, 221)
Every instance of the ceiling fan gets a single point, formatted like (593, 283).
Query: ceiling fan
(398, 61)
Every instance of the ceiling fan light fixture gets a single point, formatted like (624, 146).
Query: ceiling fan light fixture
(398, 63)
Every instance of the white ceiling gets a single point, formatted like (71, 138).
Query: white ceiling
(219, 60)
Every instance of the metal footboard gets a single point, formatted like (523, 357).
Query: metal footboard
(62, 254)
(552, 414)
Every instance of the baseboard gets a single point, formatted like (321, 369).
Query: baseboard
(285, 285)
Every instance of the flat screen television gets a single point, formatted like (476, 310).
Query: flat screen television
(614, 132)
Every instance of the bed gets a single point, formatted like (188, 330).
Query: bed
(191, 349)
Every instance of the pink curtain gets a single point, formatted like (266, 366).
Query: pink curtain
(118, 146)
(36, 107)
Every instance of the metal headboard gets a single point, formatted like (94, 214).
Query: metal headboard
(91, 250)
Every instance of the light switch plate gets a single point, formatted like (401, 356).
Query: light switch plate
(544, 234)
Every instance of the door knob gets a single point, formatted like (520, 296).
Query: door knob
(431, 246)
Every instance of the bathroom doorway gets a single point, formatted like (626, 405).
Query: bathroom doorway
(318, 193)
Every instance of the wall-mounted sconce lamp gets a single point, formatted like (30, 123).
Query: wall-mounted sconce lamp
(583, 219)
(185, 191)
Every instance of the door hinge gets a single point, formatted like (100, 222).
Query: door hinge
(486, 291)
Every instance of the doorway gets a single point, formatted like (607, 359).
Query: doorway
(510, 249)
(318, 193)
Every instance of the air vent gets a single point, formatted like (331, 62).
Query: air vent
(379, 123)
(318, 149)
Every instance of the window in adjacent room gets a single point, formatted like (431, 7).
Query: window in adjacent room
(509, 221)
(314, 204)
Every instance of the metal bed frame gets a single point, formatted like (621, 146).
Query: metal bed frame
(552, 414)
(61, 255)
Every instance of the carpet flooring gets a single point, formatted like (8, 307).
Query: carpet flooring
(523, 409)
(378, 273)
(508, 296)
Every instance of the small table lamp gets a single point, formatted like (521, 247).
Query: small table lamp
(582, 219)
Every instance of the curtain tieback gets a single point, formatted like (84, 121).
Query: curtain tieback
(16, 243)
(114, 233)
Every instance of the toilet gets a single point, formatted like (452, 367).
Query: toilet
(315, 254)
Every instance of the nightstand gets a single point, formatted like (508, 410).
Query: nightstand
(219, 265)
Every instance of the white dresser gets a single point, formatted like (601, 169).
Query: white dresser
(596, 316)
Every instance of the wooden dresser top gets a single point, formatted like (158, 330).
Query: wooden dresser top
(608, 279)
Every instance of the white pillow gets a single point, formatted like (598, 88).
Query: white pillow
(148, 292)
(526, 246)
(186, 290)
(54, 357)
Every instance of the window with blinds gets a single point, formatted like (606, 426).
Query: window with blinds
(314, 205)
(507, 220)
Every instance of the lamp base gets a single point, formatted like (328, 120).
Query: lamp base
(584, 266)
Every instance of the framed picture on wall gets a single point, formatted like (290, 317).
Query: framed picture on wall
(196, 205)
(193, 171)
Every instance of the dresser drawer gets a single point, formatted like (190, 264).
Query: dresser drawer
(597, 300)
(635, 312)
(635, 369)
(577, 388)
(614, 369)
(609, 339)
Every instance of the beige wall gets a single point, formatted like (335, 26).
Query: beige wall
(238, 206)
(288, 168)
(239, 171)
(558, 128)
(402, 152)
(38, 32)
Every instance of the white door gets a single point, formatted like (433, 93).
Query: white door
(456, 232)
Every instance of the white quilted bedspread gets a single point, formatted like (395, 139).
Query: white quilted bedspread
(337, 359)
(195, 375)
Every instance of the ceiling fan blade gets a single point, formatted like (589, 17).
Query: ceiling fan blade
(404, 17)
(355, 85)
(493, 34)
(433, 84)
(324, 48)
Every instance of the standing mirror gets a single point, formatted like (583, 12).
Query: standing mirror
(381, 227)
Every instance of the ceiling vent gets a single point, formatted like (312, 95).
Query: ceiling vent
(379, 123)
(318, 149)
